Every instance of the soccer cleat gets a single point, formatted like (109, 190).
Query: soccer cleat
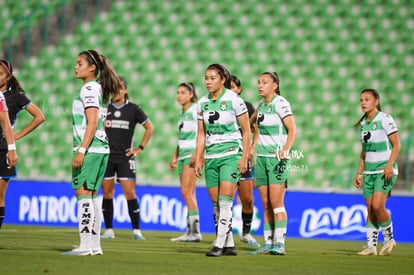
(215, 252)
(229, 251)
(387, 247)
(262, 250)
(368, 251)
(247, 238)
(77, 252)
(278, 249)
(109, 234)
(182, 238)
(196, 237)
(137, 235)
(96, 251)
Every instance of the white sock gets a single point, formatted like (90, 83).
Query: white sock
(224, 222)
(229, 240)
(85, 219)
(96, 226)
(387, 232)
(267, 234)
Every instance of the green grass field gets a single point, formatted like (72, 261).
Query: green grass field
(37, 250)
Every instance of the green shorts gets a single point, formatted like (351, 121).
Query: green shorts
(271, 171)
(92, 172)
(376, 183)
(182, 163)
(222, 169)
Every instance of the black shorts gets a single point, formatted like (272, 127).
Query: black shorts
(249, 174)
(121, 166)
(5, 171)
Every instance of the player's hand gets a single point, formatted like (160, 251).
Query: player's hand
(78, 160)
(173, 164)
(388, 173)
(358, 181)
(12, 158)
(242, 166)
(198, 169)
(132, 152)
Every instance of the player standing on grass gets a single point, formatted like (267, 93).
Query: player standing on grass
(90, 145)
(122, 117)
(184, 158)
(377, 169)
(277, 132)
(220, 115)
(16, 101)
(246, 179)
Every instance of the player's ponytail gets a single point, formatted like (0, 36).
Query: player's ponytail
(109, 80)
(376, 96)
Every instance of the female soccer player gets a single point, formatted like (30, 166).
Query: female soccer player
(277, 132)
(225, 149)
(16, 101)
(184, 158)
(246, 180)
(377, 169)
(90, 144)
(122, 117)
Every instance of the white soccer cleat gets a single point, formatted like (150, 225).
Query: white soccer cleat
(195, 237)
(387, 247)
(137, 235)
(109, 234)
(250, 240)
(96, 251)
(182, 238)
(78, 252)
(368, 251)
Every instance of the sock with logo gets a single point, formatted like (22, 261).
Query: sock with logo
(108, 212)
(372, 234)
(247, 222)
(85, 216)
(267, 233)
(224, 220)
(194, 221)
(133, 211)
(387, 230)
(97, 223)
(215, 215)
(1, 215)
(280, 231)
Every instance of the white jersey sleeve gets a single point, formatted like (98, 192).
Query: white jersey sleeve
(90, 95)
(283, 107)
(389, 125)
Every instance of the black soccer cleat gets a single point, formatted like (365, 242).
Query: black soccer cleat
(215, 252)
(229, 251)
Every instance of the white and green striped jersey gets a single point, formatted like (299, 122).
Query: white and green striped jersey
(376, 144)
(272, 131)
(223, 136)
(187, 132)
(90, 96)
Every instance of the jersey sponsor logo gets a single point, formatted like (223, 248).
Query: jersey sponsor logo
(117, 124)
(180, 126)
(213, 116)
(366, 135)
(260, 118)
(88, 88)
(333, 221)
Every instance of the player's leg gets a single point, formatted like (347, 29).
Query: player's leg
(262, 180)
(246, 198)
(108, 184)
(372, 226)
(382, 191)
(3, 188)
(188, 185)
(277, 197)
(229, 177)
(128, 188)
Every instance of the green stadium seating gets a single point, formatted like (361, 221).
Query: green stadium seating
(325, 54)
